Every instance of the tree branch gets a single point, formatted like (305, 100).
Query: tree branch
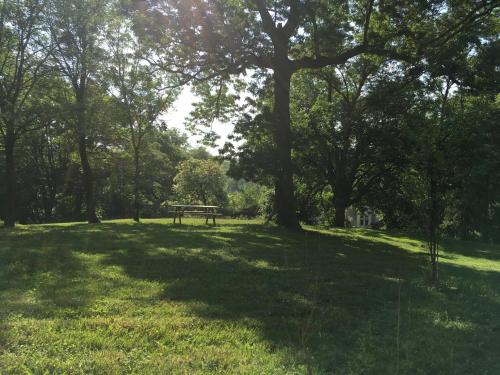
(267, 20)
(324, 61)
(293, 19)
(483, 8)
(367, 22)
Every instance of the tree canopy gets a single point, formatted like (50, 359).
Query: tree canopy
(335, 104)
(217, 41)
(200, 181)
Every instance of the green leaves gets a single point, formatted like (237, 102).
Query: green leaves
(200, 181)
(218, 102)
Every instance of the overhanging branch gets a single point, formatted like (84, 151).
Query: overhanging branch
(267, 20)
(324, 61)
(293, 19)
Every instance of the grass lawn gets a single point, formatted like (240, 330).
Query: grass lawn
(242, 297)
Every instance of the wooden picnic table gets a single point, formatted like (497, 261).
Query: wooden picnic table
(194, 209)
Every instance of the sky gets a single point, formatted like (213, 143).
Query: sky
(180, 110)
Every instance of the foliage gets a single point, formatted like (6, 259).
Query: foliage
(23, 52)
(144, 95)
(327, 97)
(345, 133)
(245, 199)
(212, 43)
(200, 181)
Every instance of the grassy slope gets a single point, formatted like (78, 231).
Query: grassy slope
(242, 298)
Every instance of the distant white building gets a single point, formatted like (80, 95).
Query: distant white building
(361, 217)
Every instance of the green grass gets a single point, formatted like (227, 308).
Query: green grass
(242, 297)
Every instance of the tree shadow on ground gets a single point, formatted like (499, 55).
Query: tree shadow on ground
(332, 299)
(470, 248)
(476, 249)
(44, 266)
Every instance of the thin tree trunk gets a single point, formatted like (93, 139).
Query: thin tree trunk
(137, 204)
(51, 203)
(434, 255)
(342, 190)
(435, 276)
(10, 181)
(433, 226)
(284, 192)
(88, 181)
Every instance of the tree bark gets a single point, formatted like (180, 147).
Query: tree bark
(10, 181)
(88, 178)
(340, 207)
(433, 227)
(88, 181)
(284, 191)
(433, 252)
(137, 203)
(342, 188)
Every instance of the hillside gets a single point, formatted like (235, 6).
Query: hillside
(242, 297)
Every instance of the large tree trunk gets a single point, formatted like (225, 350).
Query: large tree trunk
(341, 198)
(340, 207)
(284, 192)
(10, 181)
(137, 204)
(88, 178)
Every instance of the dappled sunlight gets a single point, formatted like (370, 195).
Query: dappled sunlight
(482, 264)
(324, 294)
(444, 321)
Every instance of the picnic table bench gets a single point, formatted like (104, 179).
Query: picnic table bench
(194, 209)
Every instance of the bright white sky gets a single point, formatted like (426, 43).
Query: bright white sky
(181, 108)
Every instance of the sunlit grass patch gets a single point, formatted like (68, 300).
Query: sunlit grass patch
(242, 297)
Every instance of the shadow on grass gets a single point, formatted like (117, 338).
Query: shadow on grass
(470, 248)
(474, 249)
(332, 299)
(44, 266)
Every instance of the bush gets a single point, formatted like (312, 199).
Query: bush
(246, 201)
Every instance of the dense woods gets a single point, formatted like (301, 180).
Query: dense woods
(387, 105)
(250, 187)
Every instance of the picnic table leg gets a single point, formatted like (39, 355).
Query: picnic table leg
(213, 218)
(175, 215)
(180, 215)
